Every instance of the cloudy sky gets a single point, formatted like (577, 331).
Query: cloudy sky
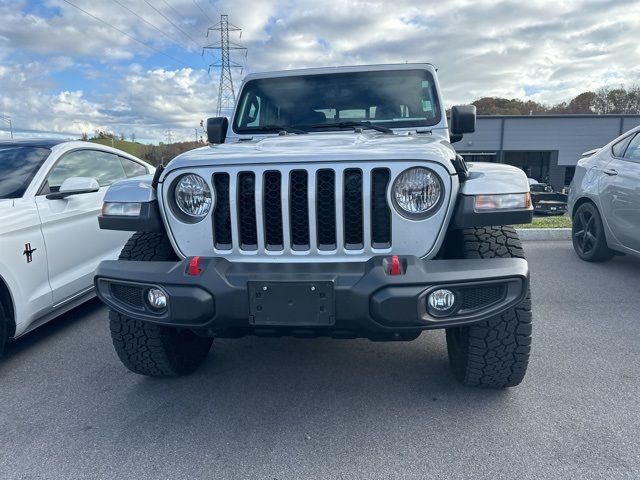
(135, 66)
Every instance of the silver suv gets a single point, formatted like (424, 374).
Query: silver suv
(333, 204)
(604, 200)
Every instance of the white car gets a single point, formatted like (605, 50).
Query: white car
(51, 192)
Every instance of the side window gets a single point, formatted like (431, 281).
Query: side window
(133, 169)
(106, 168)
(254, 113)
(620, 147)
(633, 150)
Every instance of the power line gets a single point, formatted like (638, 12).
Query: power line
(127, 35)
(226, 92)
(169, 20)
(150, 24)
(201, 9)
(214, 6)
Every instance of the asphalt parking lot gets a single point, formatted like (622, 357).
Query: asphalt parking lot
(316, 409)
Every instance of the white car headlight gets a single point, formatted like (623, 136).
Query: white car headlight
(416, 192)
(193, 196)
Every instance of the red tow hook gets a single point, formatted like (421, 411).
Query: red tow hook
(194, 267)
(394, 266)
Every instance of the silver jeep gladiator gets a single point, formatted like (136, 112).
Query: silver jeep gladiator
(334, 205)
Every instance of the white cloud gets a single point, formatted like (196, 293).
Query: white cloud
(543, 50)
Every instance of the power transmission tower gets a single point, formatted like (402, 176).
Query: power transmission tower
(168, 134)
(6, 119)
(226, 92)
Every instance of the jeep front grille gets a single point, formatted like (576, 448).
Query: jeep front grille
(311, 220)
(305, 212)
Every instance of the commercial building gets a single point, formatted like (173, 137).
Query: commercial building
(546, 147)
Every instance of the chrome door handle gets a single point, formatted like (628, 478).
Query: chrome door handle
(610, 171)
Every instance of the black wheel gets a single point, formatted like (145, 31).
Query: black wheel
(587, 233)
(495, 352)
(149, 349)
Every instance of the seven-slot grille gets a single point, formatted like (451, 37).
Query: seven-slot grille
(302, 210)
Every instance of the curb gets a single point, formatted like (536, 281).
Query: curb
(544, 233)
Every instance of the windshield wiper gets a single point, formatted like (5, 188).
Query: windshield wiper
(279, 128)
(353, 124)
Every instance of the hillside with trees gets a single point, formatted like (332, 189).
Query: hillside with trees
(154, 154)
(603, 101)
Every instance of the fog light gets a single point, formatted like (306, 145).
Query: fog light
(441, 302)
(157, 299)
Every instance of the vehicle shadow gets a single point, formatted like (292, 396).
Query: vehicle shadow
(56, 327)
(271, 386)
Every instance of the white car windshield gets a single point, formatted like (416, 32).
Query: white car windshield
(388, 98)
(18, 166)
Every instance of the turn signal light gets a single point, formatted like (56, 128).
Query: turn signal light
(507, 201)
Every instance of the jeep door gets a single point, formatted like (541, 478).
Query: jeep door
(619, 186)
(75, 244)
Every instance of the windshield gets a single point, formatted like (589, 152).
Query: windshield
(391, 98)
(18, 166)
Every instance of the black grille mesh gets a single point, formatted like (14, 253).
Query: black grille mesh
(273, 211)
(353, 209)
(380, 212)
(222, 212)
(479, 297)
(326, 209)
(128, 294)
(247, 211)
(242, 202)
(299, 210)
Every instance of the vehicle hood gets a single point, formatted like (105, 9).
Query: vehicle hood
(325, 147)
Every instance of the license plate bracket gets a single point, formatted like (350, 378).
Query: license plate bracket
(291, 303)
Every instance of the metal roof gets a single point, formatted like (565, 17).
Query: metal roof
(566, 115)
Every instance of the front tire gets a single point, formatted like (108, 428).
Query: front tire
(587, 234)
(146, 348)
(495, 352)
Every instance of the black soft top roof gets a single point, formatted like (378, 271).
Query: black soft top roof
(32, 142)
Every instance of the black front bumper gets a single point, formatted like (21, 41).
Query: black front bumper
(334, 299)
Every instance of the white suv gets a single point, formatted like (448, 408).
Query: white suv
(50, 195)
(336, 206)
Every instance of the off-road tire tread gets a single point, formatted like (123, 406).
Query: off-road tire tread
(156, 351)
(149, 349)
(147, 246)
(493, 353)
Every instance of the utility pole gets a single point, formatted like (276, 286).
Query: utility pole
(7, 120)
(226, 92)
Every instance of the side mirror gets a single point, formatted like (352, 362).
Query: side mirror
(217, 129)
(75, 186)
(463, 120)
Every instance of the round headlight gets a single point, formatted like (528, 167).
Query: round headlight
(193, 196)
(416, 191)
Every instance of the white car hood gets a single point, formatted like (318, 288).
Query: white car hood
(323, 147)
